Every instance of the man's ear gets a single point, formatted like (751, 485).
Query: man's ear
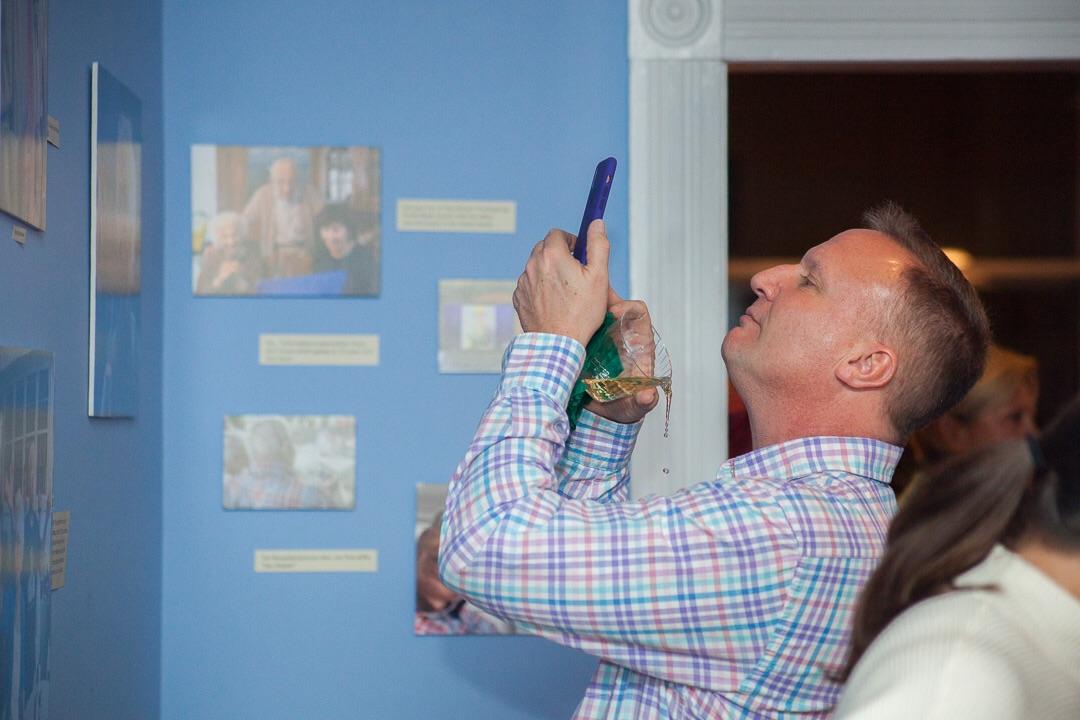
(867, 367)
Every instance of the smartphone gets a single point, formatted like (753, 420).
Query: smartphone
(594, 208)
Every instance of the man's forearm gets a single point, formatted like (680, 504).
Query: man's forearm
(516, 447)
(595, 464)
(521, 447)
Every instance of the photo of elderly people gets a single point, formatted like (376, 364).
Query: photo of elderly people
(289, 462)
(294, 221)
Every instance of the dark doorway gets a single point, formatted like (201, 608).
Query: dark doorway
(988, 158)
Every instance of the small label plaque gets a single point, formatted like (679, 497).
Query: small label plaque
(457, 216)
(349, 560)
(281, 349)
(58, 561)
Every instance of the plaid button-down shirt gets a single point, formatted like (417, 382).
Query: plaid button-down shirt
(732, 598)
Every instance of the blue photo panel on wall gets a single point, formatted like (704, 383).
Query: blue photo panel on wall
(115, 246)
(26, 426)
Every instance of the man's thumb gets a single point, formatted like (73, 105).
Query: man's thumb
(599, 247)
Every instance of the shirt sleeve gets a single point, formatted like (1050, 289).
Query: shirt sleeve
(680, 587)
(595, 463)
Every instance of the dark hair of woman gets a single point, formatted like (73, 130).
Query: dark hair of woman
(336, 213)
(949, 523)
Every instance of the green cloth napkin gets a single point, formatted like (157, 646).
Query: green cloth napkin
(601, 360)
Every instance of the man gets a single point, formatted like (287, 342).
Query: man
(279, 217)
(732, 598)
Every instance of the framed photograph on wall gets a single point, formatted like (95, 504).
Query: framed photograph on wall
(477, 321)
(26, 499)
(24, 55)
(289, 462)
(292, 221)
(115, 245)
(438, 610)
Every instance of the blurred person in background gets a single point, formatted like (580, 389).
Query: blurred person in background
(231, 264)
(339, 246)
(1001, 406)
(269, 479)
(280, 216)
(974, 611)
(440, 610)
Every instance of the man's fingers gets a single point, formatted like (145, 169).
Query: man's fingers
(630, 409)
(647, 399)
(558, 241)
(539, 247)
(634, 310)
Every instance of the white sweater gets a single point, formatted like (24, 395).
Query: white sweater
(1012, 653)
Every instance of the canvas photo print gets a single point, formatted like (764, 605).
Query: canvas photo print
(26, 504)
(290, 221)
(477, 321)
(24, 56)
(439, 611)
(115, 246)
(289, 462)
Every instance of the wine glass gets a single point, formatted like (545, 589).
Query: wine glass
(626, 357)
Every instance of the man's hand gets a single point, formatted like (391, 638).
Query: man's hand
(633, 316)
(557, 294)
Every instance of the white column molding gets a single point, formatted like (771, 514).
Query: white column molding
(676, 29)
(678, 228)
(900, 30)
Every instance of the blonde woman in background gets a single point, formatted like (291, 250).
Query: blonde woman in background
(1000, 407)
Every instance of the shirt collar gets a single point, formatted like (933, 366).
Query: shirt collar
(861, 456)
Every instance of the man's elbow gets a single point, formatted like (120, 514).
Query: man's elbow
(451, 570)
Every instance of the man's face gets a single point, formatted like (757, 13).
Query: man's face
(282, 178)
(808, 316)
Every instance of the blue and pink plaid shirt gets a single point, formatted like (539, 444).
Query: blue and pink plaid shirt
(730, 599)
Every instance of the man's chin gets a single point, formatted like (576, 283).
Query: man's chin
(729, 347)
(735, 337)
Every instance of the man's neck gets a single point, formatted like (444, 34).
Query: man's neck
(773, 425)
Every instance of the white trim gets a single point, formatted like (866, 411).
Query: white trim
(676, 29)
(93, 235)
(678, 244)
(900, 30)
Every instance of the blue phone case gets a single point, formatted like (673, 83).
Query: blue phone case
(594, 208)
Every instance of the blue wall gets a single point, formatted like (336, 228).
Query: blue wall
(106, 641)
(476, 100)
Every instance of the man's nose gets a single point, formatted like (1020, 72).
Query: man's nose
(768, 283)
